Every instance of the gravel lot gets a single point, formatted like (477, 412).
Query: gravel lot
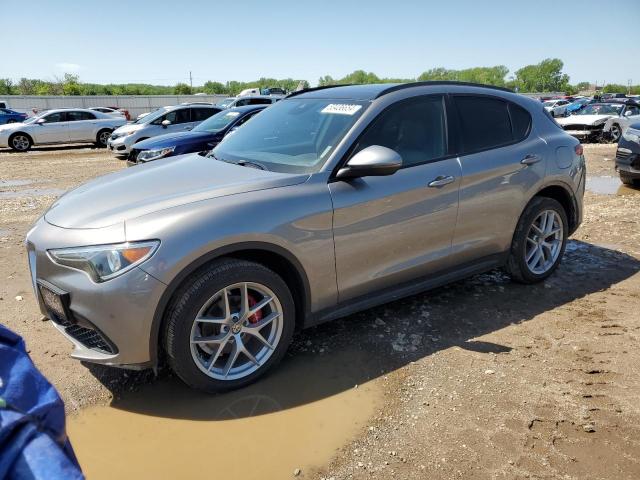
(481, 379)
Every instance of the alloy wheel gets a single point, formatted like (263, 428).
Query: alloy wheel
(544, 242)
(103, 138)
(20, 142)
(616, 132)
(236, 331)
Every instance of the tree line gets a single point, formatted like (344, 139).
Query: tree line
(546, 76)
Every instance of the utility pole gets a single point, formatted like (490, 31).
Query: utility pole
(629, 87)
(190, 80)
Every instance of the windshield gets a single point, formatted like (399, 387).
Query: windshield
(226, 102)
(292, 136)
(601, 109)
(152, 116)
(217, 122)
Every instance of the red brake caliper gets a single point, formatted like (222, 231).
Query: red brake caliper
(256, 317)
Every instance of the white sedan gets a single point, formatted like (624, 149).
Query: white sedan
(557, 108)
(60, 126)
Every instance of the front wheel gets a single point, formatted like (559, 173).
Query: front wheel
(229, 325)
(20, 142)
(539, 241)
(615, 133)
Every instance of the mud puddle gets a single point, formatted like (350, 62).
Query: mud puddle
(606, 185)
(298, 417)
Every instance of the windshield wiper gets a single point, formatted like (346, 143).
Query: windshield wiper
(242, 163)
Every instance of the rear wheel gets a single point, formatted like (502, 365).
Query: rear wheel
(627, 180)
(539, 241)
(229, 325)
(103, 137)
(20, 142)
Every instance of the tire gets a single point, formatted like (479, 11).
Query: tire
(102, 137)
(11, 120)
(205, 365)
(20, 142)
(615, 133)
(627, 180)
(523, 246)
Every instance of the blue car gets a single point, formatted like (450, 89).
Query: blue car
(202, 138)
(11, 116)
(577, 105)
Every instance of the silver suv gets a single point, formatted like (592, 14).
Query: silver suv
(331, 201)
(176, 119)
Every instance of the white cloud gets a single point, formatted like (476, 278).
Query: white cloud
(68, 67)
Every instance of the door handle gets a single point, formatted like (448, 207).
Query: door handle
(441, 181)
(530, 159)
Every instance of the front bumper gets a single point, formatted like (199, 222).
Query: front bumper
(121, 145)
(111, 321)
(628, 162)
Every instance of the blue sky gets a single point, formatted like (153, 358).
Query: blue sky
(160, 42)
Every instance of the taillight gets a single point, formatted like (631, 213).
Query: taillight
(578, 149)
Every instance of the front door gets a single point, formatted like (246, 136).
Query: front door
(392, 229)
(55, 129)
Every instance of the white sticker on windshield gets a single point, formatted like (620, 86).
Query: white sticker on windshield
(341, 108)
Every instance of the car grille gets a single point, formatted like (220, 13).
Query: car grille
(579, 127)
(622, 155)
(89, 337)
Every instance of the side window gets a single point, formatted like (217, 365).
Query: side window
(55, 117)
(414, 128)
(259, 101)
(246, 118)
(242, 103)
(199, 114)
(634, 110)
(178, 116)
(484, 123)
(76, 116)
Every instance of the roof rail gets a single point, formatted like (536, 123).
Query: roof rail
(439, 82)
(315, 89)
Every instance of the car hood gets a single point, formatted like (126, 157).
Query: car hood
(158, 185)
(11, 126)
(171, 139)
(129, 127)
(583, 119)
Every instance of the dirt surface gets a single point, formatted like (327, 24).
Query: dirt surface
(481, 379)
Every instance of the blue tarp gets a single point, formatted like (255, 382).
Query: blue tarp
(33, 442)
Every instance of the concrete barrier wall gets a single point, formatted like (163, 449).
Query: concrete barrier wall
(136, 104)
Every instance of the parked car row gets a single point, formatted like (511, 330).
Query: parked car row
(601, 122)
(628, 156)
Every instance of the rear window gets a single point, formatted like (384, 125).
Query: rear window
(520, 122)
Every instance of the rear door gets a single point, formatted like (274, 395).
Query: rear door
(82, 126)
(55, 129)
(502, 160)
(392, 229)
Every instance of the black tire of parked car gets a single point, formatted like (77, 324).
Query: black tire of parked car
(102, 137)
(516, 264)
(196, 290)
(627, 180)
(20, 142)
(11, 120)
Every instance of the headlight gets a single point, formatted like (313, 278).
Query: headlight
(104, 262)
(632, 135)
(123, 134)
(147, 155)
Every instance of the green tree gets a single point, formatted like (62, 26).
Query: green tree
(70, 85)
(182, 89)
(6, 86)
(214, 88)
(545, 76)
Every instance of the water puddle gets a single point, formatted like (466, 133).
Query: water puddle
(609, 186)
(32, 192)
(297, 417)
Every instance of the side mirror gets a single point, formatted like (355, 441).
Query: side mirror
(373, 161)
(165, 123)
(40, 121)
(628, 113)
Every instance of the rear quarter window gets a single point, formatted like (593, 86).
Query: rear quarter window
(520, 122)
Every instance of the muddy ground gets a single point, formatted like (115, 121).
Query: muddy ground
(481, 379)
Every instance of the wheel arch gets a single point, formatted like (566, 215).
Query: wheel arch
(23, 133)
(272, 256)
(564, 195)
